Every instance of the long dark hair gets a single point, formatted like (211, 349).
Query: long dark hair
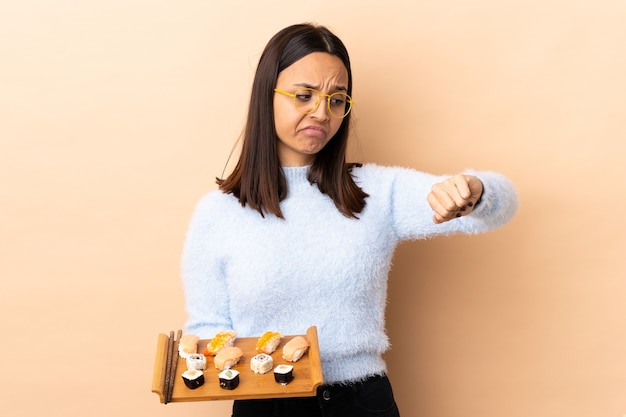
(258, 179)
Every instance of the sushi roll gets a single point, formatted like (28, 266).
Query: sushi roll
(228, 357)
(268, 342)
(295, 348)
(229, 379)
(221, 340)
(193, 378)
(261, 363)
(196, 361)
(188, 345)
(283, 374)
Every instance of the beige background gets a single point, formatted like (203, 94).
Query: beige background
(116, 116)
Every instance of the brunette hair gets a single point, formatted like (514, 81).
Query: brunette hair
(258, 179)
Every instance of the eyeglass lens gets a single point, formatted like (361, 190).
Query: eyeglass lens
(308, 100)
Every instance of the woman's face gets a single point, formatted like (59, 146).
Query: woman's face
(302, 136)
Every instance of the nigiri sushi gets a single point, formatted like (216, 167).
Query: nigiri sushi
(295, 348)
(220, 341)
(188, 345)
(228, 357)
(268, 342)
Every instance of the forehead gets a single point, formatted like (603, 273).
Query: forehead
(317, 69)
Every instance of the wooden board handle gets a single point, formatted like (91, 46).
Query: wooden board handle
(314, 354)
(160, 362)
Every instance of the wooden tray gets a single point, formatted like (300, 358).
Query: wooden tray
(307, 374)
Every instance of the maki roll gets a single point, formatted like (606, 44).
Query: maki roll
(229, 379)
(196, 361)
(283, 374)
(268, 342)
(261, 363)
(193, 378)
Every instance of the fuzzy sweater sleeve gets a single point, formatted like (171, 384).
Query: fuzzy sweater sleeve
(412, 215)
(204, 282)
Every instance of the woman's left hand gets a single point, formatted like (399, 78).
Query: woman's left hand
(454, 197)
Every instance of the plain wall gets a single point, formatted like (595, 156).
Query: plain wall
(117, 115)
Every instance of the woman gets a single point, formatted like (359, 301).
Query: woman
(296, 237)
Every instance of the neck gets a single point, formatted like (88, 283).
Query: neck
(298, 160)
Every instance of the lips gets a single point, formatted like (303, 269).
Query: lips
(315, 131)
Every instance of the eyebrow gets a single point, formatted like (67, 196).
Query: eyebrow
(315, 87)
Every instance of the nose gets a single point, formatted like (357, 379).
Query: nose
(322, 112)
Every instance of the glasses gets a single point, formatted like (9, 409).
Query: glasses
(307, 100)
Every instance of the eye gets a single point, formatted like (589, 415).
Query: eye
(338, 100)
(304, 95)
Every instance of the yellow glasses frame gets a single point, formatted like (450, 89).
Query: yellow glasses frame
(319, 99)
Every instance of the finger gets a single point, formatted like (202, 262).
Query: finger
(441, 212)
(441, 201)
(465, 190)
(476, 188)
(436, 207)
(454, 197)
(438, 218)
(458, 191)
(462, 184)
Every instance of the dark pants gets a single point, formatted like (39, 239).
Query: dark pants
(370, 398)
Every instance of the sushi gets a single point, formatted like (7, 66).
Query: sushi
(295, 348)
(221, 340)
(196, 361)
(228, 357)
(283, 374)
(229, 379)
(193, 378)
(187, 345)
(268, 342)
(261, 363)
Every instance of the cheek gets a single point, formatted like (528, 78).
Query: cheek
(286, 118)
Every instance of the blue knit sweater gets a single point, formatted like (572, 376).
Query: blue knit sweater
(317, 267)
